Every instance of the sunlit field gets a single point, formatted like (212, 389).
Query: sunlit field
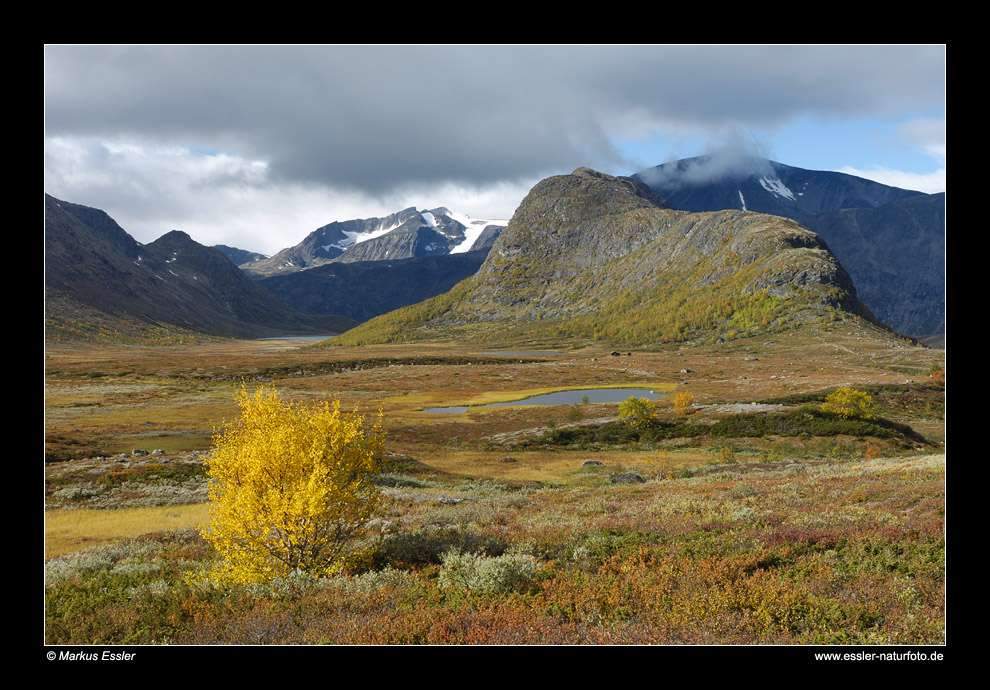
(748, 517)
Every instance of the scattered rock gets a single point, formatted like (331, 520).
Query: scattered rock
(591, 463)
(508, 458)
(627, 478)
(139, 451)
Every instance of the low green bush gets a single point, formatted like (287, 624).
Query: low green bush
(491, 575)
(808, 420)
(428, 546)
(616, 434)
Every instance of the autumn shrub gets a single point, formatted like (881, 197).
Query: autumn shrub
(849, 403)
(683, 401)
(637, 412)
(660, 465)
(290, 488)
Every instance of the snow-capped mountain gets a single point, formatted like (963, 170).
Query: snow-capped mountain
(712, 183)
(406, 234)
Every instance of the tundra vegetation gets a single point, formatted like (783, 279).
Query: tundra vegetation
(801, 502)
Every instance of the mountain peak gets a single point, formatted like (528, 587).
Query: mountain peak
(175, 236)
(596, 256)
(406, 234)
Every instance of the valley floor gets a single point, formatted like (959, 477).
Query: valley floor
(684, 537)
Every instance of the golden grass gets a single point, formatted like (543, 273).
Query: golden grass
(551, 467)
(71, 530)
(169, 444)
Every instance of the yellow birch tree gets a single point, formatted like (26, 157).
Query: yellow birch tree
(290, 487)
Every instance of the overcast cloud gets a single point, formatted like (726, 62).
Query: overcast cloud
(256, 146)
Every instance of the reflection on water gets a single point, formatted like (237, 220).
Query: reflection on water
(575, 397)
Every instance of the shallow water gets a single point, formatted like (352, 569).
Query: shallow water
(575, 397)
(519, 353)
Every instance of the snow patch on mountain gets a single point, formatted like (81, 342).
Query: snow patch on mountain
(473, 227)
(353, 238)
(775, 186)
(742, 200)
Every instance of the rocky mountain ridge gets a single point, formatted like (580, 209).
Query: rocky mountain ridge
(409, 233)
(92, 265)
(595, 256)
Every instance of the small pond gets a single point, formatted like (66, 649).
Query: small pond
(575, 397)
(298, 337)
(522, 353)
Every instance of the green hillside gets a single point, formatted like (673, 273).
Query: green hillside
(592, 256)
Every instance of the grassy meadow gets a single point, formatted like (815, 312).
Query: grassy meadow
(749, 518)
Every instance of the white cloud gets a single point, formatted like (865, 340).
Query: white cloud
(256, 146)
(930, 183)
(221, 198)
(377, 117)
(926, 133)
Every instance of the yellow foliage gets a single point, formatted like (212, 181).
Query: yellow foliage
(849, 403)
(683, 402)
(637, 412)
(660, 465)
(290, 487)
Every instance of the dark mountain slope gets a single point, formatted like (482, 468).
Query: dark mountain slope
(239, 256)
(362, 290)
(898, 257)
(91, 262)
